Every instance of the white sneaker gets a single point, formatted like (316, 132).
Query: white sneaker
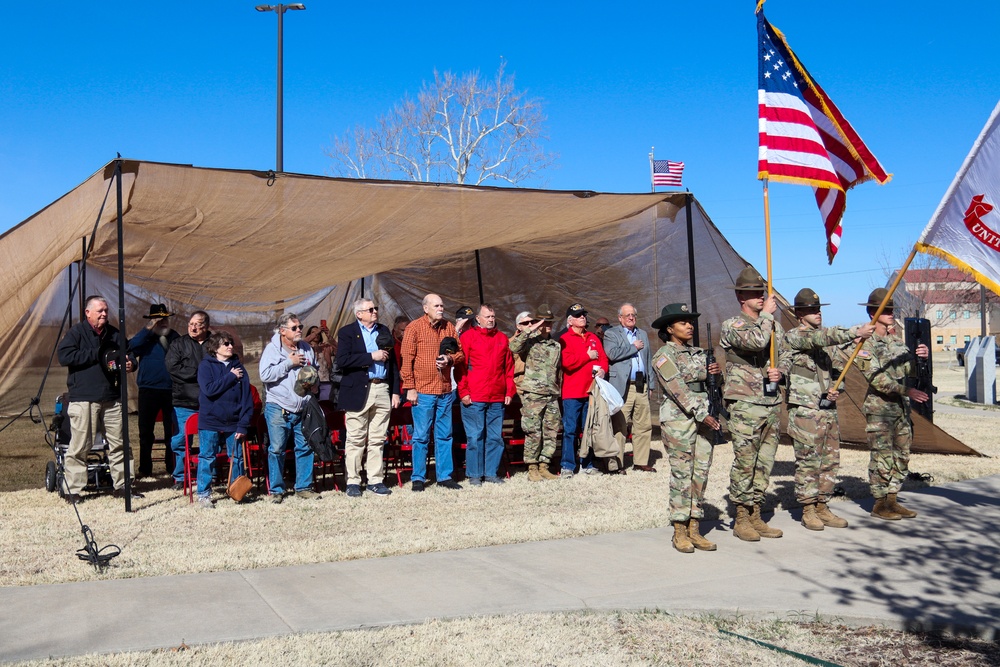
(205, 503)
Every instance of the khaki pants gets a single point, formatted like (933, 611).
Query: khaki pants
(86, 419)
(635, 412)
(366, 429)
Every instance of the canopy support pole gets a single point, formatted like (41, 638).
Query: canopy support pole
(83, 274)
(691, 270)
(479, 278)
(123, 349)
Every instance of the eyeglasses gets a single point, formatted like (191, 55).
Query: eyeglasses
(373, 309)
(629, 316)
(297, 327)
(227, 343)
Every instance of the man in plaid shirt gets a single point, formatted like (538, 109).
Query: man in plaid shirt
(426, 378)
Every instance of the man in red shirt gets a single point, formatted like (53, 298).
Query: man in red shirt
(486, 386)
(583, 359)
(426, 378)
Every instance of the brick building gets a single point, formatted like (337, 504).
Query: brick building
(949, 298)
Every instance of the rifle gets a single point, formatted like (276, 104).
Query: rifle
(716, 406)
(924, 381)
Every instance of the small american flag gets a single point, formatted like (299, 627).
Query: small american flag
(804, 138)
(667, 172)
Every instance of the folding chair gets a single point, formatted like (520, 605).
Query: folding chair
(398, 455)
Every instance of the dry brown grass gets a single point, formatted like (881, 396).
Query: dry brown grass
(611, 638)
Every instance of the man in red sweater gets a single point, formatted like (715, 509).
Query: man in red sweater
(485, 386)
(583, 359)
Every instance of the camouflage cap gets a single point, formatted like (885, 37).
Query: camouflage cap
(307, 379)
(876, 297)
(671, 313)
(750, 279)
(807, 298)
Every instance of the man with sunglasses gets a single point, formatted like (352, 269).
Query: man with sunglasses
(538, 389)
(282, 360)
(368, 392)
(886, 362)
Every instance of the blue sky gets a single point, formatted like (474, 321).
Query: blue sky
(195, 83)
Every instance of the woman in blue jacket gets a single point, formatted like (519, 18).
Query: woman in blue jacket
(224, 410)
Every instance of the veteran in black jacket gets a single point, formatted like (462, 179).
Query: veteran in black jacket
(368, 392)
(90, 350)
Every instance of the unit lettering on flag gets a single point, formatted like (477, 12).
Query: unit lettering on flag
(804, 138)
(667, 172)
(965, 228)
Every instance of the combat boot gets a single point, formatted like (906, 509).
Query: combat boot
(543, 471)
(829, 518)
(809, 518)
(533, 474)
(762, 528)
(699, 542)
(899, 509)
(883, 510)
(681, 540)
(743, 528)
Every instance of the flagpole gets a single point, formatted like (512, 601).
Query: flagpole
(878, 313)
(767, 243)
(652, 186)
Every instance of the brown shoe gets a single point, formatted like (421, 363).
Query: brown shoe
(644, 468)
(761, 527)
(699, 542)
(883, 510)
(681, 540)
(743, 528)
(533, 474)
(543, 470)
(829, 518)
(897, 508)
(809, 518)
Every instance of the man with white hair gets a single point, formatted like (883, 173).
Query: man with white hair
(90, 350)
(430, 350)
(368, 392)
(280, 363)
(627, 347)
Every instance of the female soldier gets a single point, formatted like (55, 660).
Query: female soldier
(684, 421)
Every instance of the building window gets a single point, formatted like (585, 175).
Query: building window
(966, 315)
(968, 338)
(940, 340)
(953, 315)
(952, 340)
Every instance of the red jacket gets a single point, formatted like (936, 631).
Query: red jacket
(578, 367)
(487, 373)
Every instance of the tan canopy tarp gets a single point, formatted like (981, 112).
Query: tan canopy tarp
(248, 245)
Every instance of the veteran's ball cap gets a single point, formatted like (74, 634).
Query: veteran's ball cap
(807, 298)
(876, 297)
(307, 379)
(464, 313)
(750, 279)
(576, 310)
(448, 345)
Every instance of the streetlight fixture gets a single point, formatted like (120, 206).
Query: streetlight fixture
(280, 11)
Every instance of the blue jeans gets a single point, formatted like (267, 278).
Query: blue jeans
(484, 439)
(208, 450)
(177, 441)
(281, 426)
(574, 419)
(432, 410)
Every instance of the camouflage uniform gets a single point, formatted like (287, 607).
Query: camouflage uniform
(681, 370)
(755, 419)
(886, 362)
(814, 431)
(539, 390)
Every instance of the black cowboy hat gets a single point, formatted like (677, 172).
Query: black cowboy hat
(671, 313)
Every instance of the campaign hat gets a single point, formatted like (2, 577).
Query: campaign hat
(671, 313)
(543, 312)
(807, 298)
(750, 279)
(876, 297)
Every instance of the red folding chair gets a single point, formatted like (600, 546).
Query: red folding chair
(398, 455)
(335, 421)
(192, 455)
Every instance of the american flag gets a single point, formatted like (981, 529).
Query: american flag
(804, 138)
(666, 172)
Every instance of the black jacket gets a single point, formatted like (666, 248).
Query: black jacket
(182, 360)
(81, 351)
(354, 360)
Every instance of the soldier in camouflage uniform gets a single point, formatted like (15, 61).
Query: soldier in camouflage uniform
(818, 354)
(755, 415)
(539, 391)
(684, 422)
(886, 362)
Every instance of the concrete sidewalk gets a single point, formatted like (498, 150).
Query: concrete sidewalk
(938, 570)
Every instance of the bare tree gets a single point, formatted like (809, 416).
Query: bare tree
(461, 129)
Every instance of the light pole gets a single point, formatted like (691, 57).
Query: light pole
(280, 11)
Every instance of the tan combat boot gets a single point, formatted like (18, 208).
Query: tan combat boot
(899, 509)
(543, 470)
(743, 528)
(533, 474)
(829, 518)
(699, 542)
(809, 518)
(883, 510)
(762, 528)
(681, 540)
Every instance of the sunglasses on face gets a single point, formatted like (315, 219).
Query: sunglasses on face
(373, 309)
(227, 343)
(297, 327)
